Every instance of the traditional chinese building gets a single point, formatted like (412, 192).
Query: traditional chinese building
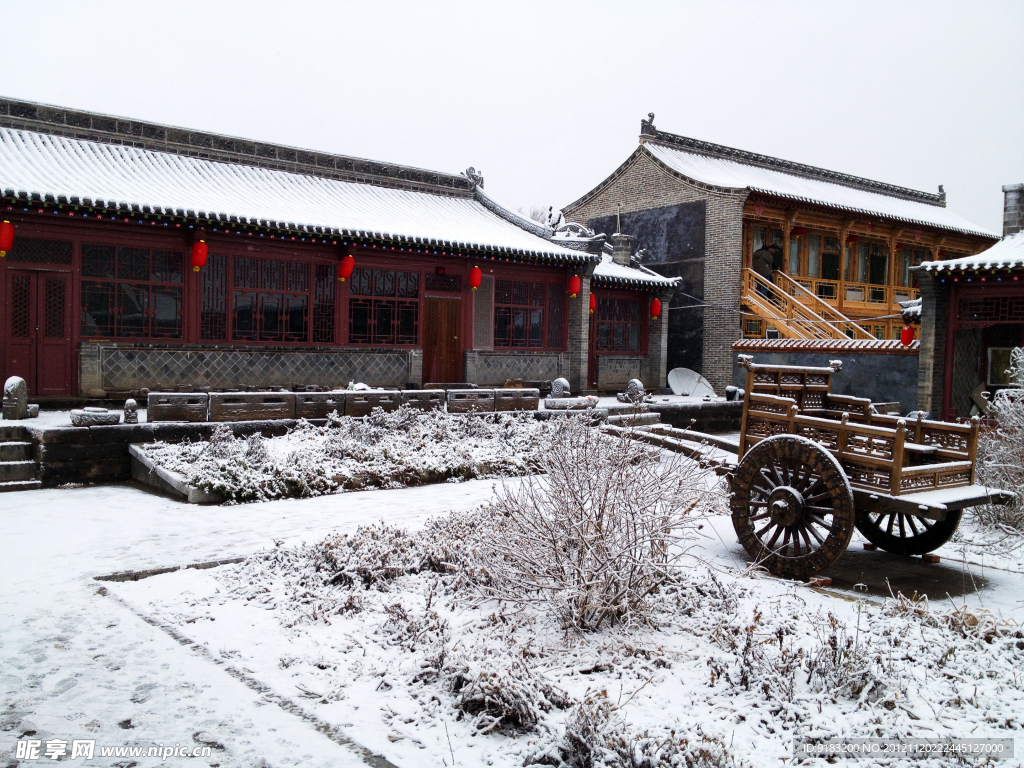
(99, 298)
(700, 210)
(972, 317)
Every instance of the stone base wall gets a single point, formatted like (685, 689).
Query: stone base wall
(107, 367)
(491, 369)
(615, 371)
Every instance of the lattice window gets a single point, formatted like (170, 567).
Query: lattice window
(40, 251)
(20, 307)
(54, 326)
(991, 309)
(213, 317)
(278, 309)
(131, 292)
(442, 283)
(555, 301)
(389, 314)
(519, 314)
(619, 325)
(323, 304)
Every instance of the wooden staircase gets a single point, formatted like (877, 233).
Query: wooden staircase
(794, 311)
(18, 471)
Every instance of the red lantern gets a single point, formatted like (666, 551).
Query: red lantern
(574, 286)
(853, 238)
(348, 263)
(907, 335)
(199, 251)
(655, 308)
(6, 238)
(475, 276)
(593, 303)
(797, 231)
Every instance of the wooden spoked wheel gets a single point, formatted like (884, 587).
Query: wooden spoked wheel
(792, 506)
(904, 534)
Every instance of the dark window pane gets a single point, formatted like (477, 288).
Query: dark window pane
(97, 309)
(167, 267)
(383, 322)
(537, 294)
(133, 263)
(555, 315)
(619, 325)
(166, 315)
(323, 305)
(296, 278)
(408, 315)
(359, 321)
(213, 312)
(503, 292)
(361, 281)
(503, 327)
(536, 329)
(98, 261)
(296, 317)
(132, 309)
(271, 321)
(243, 321)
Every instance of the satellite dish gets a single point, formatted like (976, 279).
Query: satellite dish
(685, 382)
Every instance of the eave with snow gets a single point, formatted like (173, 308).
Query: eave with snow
(102, 205)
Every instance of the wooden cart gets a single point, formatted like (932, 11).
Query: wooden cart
(811, 466)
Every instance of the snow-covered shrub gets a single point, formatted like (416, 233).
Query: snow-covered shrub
(384, 450)
(1000, 462)
(599, 535)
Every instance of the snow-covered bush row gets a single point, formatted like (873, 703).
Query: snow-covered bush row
(384, 450)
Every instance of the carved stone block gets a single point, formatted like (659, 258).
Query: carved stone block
(470, 400)
(362, 403)
(319, 405)
(516, 399)
(251, 406)
(424, 399)
(178, 406)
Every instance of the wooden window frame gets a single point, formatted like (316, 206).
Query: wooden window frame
(643, 299)
(528, 275)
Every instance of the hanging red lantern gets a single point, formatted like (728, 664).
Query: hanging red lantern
(797, 231)
(907, 335)
(348, 263)
(593, 303)
(199, 252)
(655, 308)
(475, 276)
(6, 238)
(852, 238)
(574, 286)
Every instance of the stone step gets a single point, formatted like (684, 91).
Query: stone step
(634, 420)
(15, 450)
(21, 485)
(17, 470)
(8, 432)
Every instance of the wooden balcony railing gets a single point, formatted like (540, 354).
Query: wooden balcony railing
(790, 314)
(811, 298)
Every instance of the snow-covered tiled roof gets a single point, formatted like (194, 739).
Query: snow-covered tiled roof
(48, 167)
(610, 273)
(911, 310)
(1008, 253)
(733, 174)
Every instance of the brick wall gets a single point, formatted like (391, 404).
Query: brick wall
(931, 359)
(642, 184)
(1013, 209)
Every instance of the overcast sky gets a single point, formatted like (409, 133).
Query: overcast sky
(546, 98)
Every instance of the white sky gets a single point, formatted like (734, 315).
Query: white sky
(546, 98)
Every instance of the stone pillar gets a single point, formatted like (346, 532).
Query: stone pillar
(622, 248)
(931, 359)
(655, 374)
(1013, 209)
(416, 367)
(723, 283)
(579, 328)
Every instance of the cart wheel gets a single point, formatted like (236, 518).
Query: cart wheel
(792, 506)
(904, 534)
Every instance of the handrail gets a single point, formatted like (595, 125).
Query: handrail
(826, 310)
(796, 320)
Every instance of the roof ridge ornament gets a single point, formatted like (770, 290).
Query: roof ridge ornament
(476, 178)
(647, 126)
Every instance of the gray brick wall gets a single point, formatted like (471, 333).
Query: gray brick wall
(645, 184)
(1013, 209)
(931, 359)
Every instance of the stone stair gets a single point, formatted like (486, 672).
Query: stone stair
(18, 471)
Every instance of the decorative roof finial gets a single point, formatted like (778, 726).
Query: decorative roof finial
(476, 178)
(647, 126)
(942, 193)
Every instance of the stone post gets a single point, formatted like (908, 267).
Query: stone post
(1013, 209)
(931, 358)
(579, 328)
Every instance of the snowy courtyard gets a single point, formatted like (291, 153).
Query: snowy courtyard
(268, 661)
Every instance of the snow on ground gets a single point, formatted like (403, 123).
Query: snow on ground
(76, 663)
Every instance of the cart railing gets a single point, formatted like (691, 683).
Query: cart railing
(875, 458)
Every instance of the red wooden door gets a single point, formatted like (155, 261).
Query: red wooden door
(442, 350)
(39, 335)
